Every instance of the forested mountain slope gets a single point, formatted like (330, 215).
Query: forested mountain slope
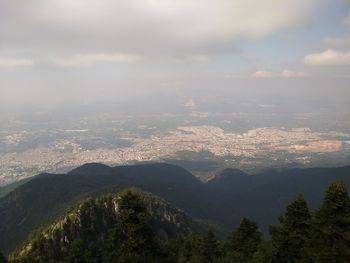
(223, 200)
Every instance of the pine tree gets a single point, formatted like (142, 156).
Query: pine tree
(210, 247)
(265, 253)
(133, 239)
(75, 253)
(243, 242)
(330, 236)
(170, 250)
(290, 236)
(200, 248)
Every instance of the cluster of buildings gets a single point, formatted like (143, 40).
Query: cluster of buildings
(256, 142)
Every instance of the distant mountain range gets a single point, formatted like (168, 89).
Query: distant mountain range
(223, 200)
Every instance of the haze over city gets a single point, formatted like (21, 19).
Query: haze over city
(250, 84)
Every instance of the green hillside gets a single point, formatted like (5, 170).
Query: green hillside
(134, 226)
(222, 201)
(90, 223)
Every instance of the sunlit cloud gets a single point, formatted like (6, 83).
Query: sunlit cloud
(284, 74)
(328, 57)
(263, 74)
(293, 74)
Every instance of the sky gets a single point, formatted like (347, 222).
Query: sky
(59, 52)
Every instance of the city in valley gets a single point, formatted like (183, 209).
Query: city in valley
(58, 150)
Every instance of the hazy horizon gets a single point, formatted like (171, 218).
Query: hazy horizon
(246, 84)
(55, 53)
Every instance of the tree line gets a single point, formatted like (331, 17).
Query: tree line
(301, 236)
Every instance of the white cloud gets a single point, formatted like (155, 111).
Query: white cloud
(328, 57)
(337, 41)
(292, 74)
(263, 74)
(347, 20)
(15, 62)
(284, 74)
(85, 60)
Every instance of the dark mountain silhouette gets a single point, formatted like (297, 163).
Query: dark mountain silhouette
(92, 169)
(223, 200)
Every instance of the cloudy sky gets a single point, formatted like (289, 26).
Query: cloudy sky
(55, 51)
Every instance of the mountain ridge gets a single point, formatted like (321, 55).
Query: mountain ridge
(224, 200)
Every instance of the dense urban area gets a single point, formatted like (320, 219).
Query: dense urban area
(56, 150)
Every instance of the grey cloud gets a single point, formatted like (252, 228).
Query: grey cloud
(143, 27)
(14, 62)
(85, 60)
(112, 49)
(347, 20)
(337, 41)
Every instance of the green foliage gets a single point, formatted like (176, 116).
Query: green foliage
(122, 228)
(265, 253)
(289, 238)
(79, 252)
(133, 240)
(330, 231)
(37, 203)
(200, 248)
(114, 225)
(170, 250)
(243, 242)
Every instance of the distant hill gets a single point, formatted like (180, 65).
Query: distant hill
(41, 200)
(223, 200)
(4, 190)
(269, 199)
